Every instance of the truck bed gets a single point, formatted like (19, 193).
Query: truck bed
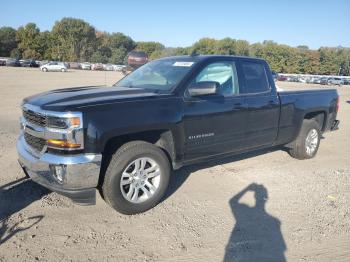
(295, 105)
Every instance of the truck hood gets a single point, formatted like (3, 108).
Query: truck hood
(78, 97)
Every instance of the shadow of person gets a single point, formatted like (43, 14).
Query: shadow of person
(7, 232)
(14, 197)
(257, 235)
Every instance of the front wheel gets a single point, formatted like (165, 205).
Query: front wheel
(44, 69)
(307, 143)
(63, 70)
(136, 178)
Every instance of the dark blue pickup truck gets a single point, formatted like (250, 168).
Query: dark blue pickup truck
(125, 140)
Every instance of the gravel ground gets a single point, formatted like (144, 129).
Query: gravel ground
(262, 206)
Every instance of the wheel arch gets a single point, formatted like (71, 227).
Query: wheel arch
(319, 116)
(163, 138)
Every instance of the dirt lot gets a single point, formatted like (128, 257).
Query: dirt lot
(300, 209)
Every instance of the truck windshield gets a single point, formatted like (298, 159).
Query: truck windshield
(160, 75)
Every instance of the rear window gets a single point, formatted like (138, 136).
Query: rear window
(255, 78)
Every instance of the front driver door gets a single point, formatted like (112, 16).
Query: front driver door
(215, 124)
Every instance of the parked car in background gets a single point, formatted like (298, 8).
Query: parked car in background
(85, 66)
(292, 79)
(13, 62)
(54, 66)
(315, 80)
(281, 78)
(323, 80)
(97, 67)
(118, 67)
(74, 65)
(335, 81)
(301, 79)
(108, 67)
(43, 62)
(346, 81)
(137, 59)
(29, 63)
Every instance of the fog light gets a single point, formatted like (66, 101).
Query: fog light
(59, 172)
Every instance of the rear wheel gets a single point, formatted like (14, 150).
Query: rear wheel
(45, 69)
(136, 178)
(307, 143)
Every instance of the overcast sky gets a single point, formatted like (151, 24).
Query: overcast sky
(181, 23)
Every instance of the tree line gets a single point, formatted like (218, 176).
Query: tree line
(76, 40)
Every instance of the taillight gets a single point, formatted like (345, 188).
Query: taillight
(337, 105)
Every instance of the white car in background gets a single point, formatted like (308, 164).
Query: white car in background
(118, 67)
(85, 66)
(108, 67)
(335, 81)
(54, 66)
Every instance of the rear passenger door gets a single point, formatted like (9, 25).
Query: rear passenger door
(262, 104)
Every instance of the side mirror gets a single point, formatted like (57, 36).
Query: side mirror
(203, 88)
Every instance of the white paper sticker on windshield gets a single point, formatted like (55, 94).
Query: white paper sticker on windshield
(187, 64)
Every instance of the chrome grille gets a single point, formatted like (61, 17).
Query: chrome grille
(35, 142)
(35, 118)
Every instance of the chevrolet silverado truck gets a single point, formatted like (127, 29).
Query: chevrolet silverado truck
(124, 141)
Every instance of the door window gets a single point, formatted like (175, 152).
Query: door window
(224, 73)
(255, 78)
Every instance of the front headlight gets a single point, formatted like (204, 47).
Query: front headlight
(65, 131)
(63, 123)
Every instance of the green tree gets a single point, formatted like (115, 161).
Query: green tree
(328, 61)
(308, 61)
(97, 57)
(205, 46)
(345, 62)
(226, 46)
(46, 44)
(7, 40)
(149, 47)
(169, 51)
(119, 40)
(242, 47)
(118, 55)
(75, 40)
(15, 53)
(29, 43)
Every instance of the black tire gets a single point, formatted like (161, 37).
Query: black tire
(120, 160)
(45, 69)
(298, 148)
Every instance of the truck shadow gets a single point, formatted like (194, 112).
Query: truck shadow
(179, 177)
(256, 235)
(14, 197)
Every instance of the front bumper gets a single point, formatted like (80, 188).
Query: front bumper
(77, 175)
